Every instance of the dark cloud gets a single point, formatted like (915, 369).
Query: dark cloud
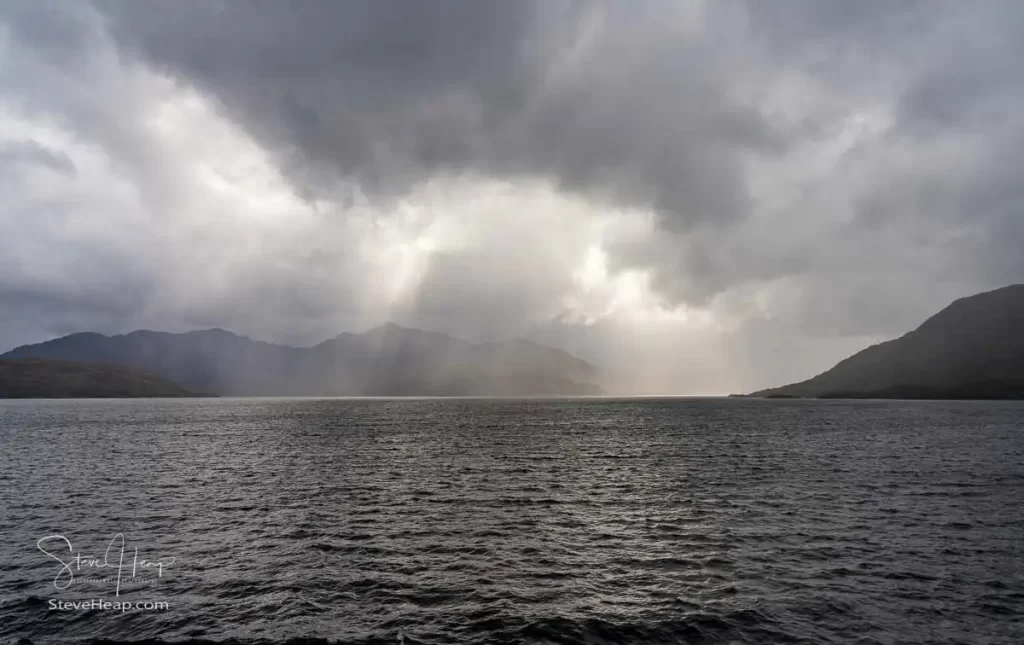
(381, 92)
(807, 173)
(609, 100)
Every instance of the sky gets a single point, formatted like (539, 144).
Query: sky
(698, 196)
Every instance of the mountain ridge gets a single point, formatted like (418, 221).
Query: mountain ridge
(972, 348)
(23, 378)
(383, 361)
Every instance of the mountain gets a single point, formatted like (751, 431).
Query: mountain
(43, 378)
(972, 349)
(386, 361)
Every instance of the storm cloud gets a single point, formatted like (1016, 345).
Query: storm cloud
(701, 196)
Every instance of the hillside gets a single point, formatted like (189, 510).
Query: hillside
(43, 378)
(386, 361)
(974, 348)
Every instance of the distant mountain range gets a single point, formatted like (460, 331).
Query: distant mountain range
(972, 349)
(386, 361)
(43, 378)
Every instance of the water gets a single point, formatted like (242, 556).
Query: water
(517, 521)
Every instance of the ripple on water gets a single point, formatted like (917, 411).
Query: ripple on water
(535, 521)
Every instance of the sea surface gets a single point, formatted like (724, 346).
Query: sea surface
(512, 521)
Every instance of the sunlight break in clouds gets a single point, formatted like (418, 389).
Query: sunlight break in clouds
(719, 196)
(231, 216)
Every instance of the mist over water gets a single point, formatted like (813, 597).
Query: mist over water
(520, 521)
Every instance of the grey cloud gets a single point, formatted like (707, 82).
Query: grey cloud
(56, 33)
(604, 98)
(359, 89)
(673, 107)
(629, 104)
(112, 245)
(17, 153)
(607, 100)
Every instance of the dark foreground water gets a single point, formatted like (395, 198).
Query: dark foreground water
(491, 521)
